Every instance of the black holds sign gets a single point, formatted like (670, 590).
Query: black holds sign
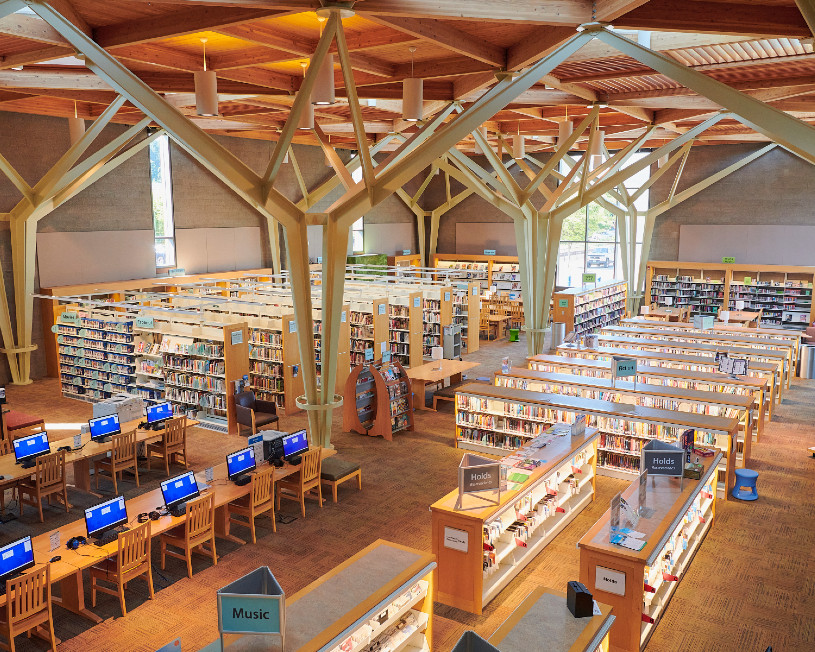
(481, 478)
(659, 458)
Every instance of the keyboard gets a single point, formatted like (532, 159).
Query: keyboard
(109, 536)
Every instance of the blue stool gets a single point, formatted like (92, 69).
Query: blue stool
(746, 478)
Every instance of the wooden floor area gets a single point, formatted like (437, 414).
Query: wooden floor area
(751, 585)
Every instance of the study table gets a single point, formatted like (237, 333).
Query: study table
(80, 458)
(435, 372)
(665, 314)
(68, 571)
(741, 317)
(500, 322)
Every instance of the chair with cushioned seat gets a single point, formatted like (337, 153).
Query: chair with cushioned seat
(335, 471)
(19, 424)
(746, 479)
(254, 413)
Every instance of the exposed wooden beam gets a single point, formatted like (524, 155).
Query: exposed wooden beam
(34, 56)
(552, 12)
(468, 84)
(446, 35)
(807, 9)
(30, 27)
(66, 8)
(609, 10)
(537, 45)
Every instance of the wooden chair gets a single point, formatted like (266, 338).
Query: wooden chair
(198, 529)
(48, 480)
(258, 501)
(516, 315)
(6, 448)
(297, 486)
(484, 324)
(173, 444)
(28, 605)
(132, 560)
(122, 457)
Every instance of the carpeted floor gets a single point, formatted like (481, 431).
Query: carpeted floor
(751, 585)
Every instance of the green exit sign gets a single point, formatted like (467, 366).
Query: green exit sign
(728, 260)
(590, 278)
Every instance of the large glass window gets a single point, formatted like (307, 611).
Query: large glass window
(161, 188)
(590, 239)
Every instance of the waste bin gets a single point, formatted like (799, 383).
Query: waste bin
(806, 361)
(472, 642)
(558, 334)
(513, 334)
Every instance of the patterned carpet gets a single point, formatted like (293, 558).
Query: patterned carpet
(751, 585)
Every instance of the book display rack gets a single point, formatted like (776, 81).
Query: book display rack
(590, 307)
(506, 277)
(504, 272)
(378, 400)
(368, 328)
(543, 493)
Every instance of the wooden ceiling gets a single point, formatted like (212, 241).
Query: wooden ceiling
(761, 47)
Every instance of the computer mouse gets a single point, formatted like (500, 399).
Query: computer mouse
(53, 559)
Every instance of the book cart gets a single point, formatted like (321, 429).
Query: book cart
(639, 584)
(701, 380)
(378, 400)
(482, 547)
(590, 307)
(496, 420)
(715, 404)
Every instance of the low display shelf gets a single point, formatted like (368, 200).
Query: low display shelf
(378, 400)
(783, 303)
(496, 420)
(646, 580)
(482, 547)
(590, 307)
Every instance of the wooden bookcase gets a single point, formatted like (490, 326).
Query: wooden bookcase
(487, 271)
(662, 397)
(405, 260)
(377, 400)
(683, 515)
(437, 312)
(590, 307)
(785, 293)
(467, 313)
(462, 581)
(493, 420)
(405, 328)
(681, 378)
(368, 329)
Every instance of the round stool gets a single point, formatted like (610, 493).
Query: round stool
(513, 334)
(746, 478)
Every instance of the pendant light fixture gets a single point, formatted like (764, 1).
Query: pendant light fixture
(76, 126)
(323, 92)
(307, 116)
(206, 88)
(412, 95)
(564, 129)
(596, 151)
(518, 144)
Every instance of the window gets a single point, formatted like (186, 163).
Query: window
(358, 227)
(161, 189)
(590, 239)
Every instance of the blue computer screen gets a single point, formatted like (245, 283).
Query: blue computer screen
(32, 445)
(106, 515)
(240, 462)
(179, 489)
(104, 426)
(16, 556)
(159, 412)
(297, 442)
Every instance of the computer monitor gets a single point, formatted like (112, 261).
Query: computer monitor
(15, 557)
(240, 462)
(27, 448)
(295, 443)
(159, 412)
(103, 427)
(179, 489)
(105, 516)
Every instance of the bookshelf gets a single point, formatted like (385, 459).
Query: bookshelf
(369, 329)
(437, 312)
(495, 420)
(467, 310)
(404, 260)
(343, 347)
(377, 400)
(763, 370)
(683, 515)
(550, 497)
(405, 328)
(784, 293)
(590, 307)
(482, 269)
(715, 404)
(665, 376)
(506, 277)
(96, 353)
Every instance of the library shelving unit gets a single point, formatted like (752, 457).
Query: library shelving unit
(785, 293)
(769, 372)
(470, 268)
(344, 346)
(656, 342)
(544, 615)
(590, 307)
(495, 420)
(466, 311)
(437, 312)
(714, 404)
(683, 513)
(368, 328)
(405, 327)
(383, 595)
(506, 277)
(680, 378)
(722, 341)
(96, 353)
(273, 354)
(469, 576)
(404, 260)
(377, 400)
